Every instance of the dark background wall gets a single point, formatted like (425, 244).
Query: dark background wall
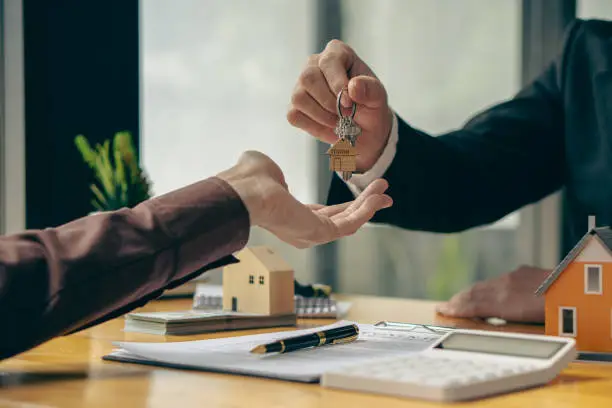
(81, 77)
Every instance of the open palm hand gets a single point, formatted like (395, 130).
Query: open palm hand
(261, 184)
(304, 226)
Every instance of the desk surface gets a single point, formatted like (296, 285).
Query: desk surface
(69, 372)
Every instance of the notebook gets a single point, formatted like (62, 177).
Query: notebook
(210, 297)
(232, 355)
(194, 322)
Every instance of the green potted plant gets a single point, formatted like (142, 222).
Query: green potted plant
(119, 180)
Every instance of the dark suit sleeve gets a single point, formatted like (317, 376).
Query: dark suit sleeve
(508, 156)
(59, 280)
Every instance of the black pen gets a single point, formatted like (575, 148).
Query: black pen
(344, 334)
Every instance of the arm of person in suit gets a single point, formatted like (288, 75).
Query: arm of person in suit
(60, 280)
(507, 156)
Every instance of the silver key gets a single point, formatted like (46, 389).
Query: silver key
(346, 127)
(343, 154)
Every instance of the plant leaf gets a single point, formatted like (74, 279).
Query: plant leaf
(96, 205)
(98, 194)
(85, 149)
(126, 146)
(105, 177)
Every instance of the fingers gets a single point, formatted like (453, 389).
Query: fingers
(349, 221)
(305, 103)
(335, 62)
(315, 207)
(302, 121)
(368, 91)
(330, 211)
(472, 302)
(313, 103)
(378, 186)
(304, 226)
(314, 83)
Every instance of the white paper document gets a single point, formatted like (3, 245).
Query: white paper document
(232, 355)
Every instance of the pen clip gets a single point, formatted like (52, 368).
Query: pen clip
(345, 339)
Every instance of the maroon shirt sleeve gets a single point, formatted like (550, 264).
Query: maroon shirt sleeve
(60, 280)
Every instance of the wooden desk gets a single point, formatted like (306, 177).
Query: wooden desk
(69, 372)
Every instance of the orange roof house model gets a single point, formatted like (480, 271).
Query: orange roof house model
(343, 158)
(578, 293)
(261, 283)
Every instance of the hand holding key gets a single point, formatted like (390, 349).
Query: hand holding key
(313, 103)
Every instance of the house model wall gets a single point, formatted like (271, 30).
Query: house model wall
(578, 293)
(343, 158)
(261, 283)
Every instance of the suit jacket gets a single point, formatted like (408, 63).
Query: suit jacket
(555, 133)
(60, 280)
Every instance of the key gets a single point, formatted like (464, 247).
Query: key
(343, 154)
(347, 129)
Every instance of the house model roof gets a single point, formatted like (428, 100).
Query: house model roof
(603, 234)
(342, 148)
(265, 257)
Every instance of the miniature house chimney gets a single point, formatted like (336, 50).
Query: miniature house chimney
(592, 223)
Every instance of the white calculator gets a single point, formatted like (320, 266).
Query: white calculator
(462, 365)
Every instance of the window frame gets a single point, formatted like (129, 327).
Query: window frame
(586, 279)
(12, 119)
(574, 321)
(542, 235)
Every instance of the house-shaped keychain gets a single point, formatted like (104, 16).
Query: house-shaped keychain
(343, 158)
(578, 293)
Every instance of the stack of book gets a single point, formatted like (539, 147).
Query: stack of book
(195, 322)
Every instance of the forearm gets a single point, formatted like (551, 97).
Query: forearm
(472, 176)
(58, 280)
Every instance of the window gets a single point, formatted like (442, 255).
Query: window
(567, 321)
(592, 279)
(261, 280)
(599, 9)
(251, 279)
(210, 91)
(217, 78)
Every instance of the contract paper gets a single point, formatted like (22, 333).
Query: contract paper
(232, 354)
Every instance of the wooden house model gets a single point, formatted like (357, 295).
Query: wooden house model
(343, 158)
(261, 283)
(578, 293)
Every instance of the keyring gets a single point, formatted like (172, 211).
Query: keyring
(339, 106)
